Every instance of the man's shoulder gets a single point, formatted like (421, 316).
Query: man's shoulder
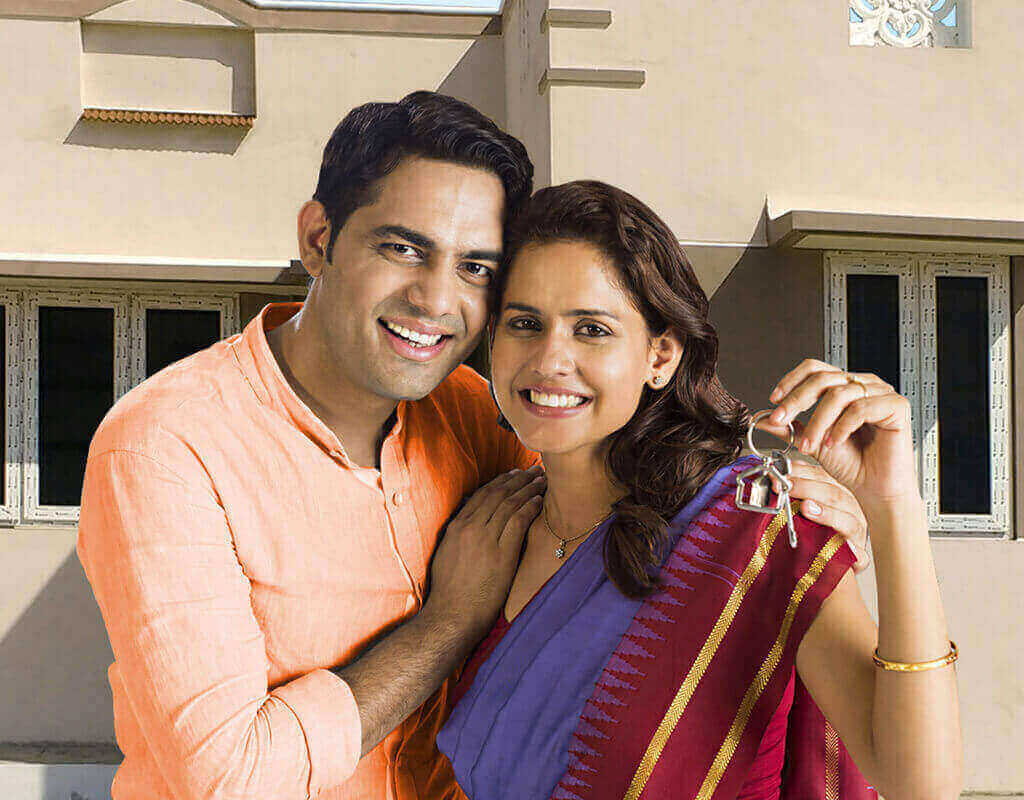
(188, 396)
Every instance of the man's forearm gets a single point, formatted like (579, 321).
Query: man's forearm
(397, 675)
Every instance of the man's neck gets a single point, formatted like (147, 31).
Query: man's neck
(357, 417)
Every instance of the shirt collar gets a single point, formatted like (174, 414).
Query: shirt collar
(264, 375)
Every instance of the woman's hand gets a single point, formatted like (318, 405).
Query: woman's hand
(827, 502)
(860, 431)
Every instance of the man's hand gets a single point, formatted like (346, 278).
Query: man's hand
(476, 560)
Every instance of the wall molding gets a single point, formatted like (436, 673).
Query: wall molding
(575, 18)
(592, 76)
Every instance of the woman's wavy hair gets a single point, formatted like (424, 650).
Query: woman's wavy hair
(679, 435)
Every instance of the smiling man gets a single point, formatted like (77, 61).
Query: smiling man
(259, 520)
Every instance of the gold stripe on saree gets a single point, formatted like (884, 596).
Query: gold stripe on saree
(831, 763)
(700, 664)
(764, 674)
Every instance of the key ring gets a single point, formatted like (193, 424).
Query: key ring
(750, 433)
(754, 484)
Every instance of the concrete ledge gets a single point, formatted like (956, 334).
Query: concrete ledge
(575, 18)
(59, 753)
(337, 17)
(56, 781)
(836, 230)
(590, 76)
(216, 270)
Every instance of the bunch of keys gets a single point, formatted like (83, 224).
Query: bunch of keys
(759, 480)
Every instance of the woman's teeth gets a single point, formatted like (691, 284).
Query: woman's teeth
(555, 400)
(417, 339)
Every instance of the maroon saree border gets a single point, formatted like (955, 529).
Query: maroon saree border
(724, 694)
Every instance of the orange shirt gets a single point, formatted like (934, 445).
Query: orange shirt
(236, 554)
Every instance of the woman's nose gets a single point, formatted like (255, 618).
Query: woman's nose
(554, 356)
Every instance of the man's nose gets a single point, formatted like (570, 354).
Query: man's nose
(434, 291)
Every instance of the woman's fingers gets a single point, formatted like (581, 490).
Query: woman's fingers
(888, 411)
(829, 503)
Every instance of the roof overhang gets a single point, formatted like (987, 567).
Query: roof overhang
(485, 7)
(840, 230)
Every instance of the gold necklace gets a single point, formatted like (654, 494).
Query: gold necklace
(562, 541)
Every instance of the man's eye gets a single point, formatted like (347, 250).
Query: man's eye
(403, 250)
(479, 271)
(524, 324)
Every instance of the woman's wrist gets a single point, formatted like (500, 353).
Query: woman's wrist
(897, 511)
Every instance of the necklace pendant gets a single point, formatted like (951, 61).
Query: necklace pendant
(560, 552)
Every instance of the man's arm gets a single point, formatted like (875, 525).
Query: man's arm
(470, 577)
(159, 554)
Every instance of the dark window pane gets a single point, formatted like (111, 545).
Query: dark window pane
(76, 388)
(962, 348)
(3, 404)
(873, 326)
(172, 334)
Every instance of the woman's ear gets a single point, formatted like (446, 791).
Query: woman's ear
(314, 234)
(666, 351)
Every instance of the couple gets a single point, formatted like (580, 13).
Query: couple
(261, 521)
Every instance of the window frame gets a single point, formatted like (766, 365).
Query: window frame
(997, 285)
(129, 299)
(918, 363)
(33, 509)
(10, 512)
(176, 301)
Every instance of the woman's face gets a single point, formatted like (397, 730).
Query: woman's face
(571, 354)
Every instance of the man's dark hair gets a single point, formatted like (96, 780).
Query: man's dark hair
(371, 141)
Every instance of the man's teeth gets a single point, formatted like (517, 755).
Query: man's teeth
(555, 400)
(416, 338)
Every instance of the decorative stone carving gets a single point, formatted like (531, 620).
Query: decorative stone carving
(908, 23)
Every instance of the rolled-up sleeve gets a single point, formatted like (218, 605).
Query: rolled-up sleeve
(158, 551)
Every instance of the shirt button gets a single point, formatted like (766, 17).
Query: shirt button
(398, 498)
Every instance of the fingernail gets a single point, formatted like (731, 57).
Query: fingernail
(774, 395)
(812, 508)
(805, 446)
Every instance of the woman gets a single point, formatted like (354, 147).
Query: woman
(658, 641)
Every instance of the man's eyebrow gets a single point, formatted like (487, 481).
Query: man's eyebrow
(426, 243)
(572, 312)
(408, 234)
(483, 255)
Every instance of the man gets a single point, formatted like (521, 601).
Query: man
(258, 520)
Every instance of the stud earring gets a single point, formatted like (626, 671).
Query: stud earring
(656, 380)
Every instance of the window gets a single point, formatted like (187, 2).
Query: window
(936, 328)
(69, 352)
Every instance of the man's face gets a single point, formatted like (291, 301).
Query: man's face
(405, 296)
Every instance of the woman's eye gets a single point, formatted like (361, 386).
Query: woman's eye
(593, 330)
(523, 324)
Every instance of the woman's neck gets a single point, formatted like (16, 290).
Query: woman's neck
(580, 492)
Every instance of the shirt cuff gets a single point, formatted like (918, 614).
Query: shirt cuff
(327, 711)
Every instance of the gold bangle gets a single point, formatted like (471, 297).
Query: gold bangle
(919, 666)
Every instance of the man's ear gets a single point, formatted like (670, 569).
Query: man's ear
(314, 235)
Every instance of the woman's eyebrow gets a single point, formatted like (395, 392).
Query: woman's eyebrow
(572, 312)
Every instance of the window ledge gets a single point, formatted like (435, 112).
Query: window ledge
(166, 117)
(836, 230)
